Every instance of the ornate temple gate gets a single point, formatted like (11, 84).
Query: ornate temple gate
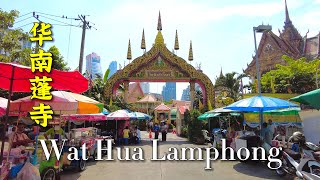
(161, 65)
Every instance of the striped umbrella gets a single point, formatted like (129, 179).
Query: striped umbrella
(139, 116)
(118, 115)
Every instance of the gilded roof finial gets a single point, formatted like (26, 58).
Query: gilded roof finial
(129, 57)
(176, 41)
(143, 41)
(190, 52)
(159, 28)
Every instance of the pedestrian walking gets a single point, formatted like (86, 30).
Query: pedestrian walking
(164, 129)
(156, 130)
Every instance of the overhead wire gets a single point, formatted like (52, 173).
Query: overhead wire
(56, 20)
(69, 42)
(24, 25)
(23, 19)
(24, 15)
(63, 17)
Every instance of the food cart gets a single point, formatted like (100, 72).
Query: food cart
(88, 136)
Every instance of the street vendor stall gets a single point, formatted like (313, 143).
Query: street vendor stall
(310, 105)
(256, 104)
(159, 113)
(16, 78)
(119, 115)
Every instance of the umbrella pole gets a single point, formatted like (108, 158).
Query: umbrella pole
(116, 130)
(7, 117)
(261, 121)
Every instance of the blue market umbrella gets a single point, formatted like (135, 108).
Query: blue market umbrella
(139, 116)
(260, 104)
(105, 111)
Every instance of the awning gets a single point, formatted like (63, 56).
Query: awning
(173, 113)
(206, 116)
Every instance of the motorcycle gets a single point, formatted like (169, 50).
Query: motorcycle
(303, 163)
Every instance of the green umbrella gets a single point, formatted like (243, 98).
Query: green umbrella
(206, 116)
(311, 98)
(282, 112)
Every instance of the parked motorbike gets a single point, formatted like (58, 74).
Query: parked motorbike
(304, 162)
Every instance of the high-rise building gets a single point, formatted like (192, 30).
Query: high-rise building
(93, 66)
(186, 92)
(169, 91)
(113, 66)
(145, 87)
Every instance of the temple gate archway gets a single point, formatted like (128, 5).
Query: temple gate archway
(161, 65)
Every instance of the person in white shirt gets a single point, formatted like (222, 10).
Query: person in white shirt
(138, 134)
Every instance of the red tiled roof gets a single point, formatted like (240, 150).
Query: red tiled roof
(148, 99)
(183, 109)
(162, 107)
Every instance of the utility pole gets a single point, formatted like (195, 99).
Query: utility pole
(317, 84)
(85, 25)
(37, 18)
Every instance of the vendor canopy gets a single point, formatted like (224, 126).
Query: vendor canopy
(222, 110)
(21, 75)
(62, 103)
(281, 112)
(139, 116)
(206, 116)
(85, 117)
(311, 98)
(3, 106)
(260, 103)
(119, 115)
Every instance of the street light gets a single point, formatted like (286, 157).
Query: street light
(259, 29)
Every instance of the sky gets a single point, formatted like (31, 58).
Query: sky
(220, 31)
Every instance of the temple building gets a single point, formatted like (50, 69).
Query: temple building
(290, 42)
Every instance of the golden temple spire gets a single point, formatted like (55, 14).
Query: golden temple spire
(143, 41)
(159, 28)
(129, 57)
(176, 41)
(190, 52)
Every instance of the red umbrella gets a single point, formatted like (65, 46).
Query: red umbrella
(15, 78)
(20, 75)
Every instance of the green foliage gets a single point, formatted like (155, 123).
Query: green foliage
(195, 126)
(184, 131)
(10, 39)
(57, 59)
(230, 84)
(187, 117)
(297, 76)
(106, 75)
(113, 108)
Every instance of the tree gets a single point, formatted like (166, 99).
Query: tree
(230, 84)
(297, 76)
(10, 40)
(195, 127)
(57, 59)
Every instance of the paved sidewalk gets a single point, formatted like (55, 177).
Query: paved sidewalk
(169, 170)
